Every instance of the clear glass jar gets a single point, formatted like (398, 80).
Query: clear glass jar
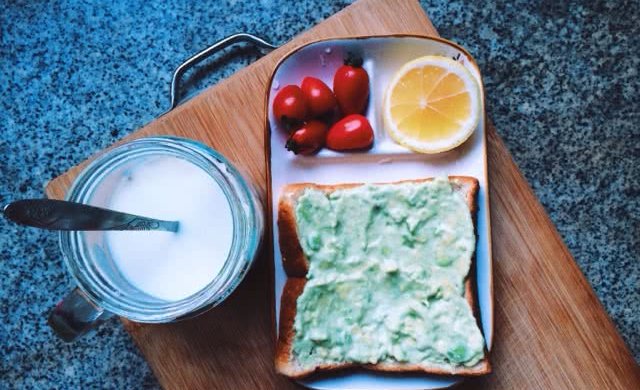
(102, 290)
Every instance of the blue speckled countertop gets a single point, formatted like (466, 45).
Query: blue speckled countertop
(561, 80)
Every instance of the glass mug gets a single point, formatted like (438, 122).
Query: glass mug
(101, 290)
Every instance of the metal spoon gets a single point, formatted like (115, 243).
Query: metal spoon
(62, 215)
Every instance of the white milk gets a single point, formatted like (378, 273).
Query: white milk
(172, 266)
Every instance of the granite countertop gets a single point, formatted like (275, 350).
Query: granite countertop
(560, 78)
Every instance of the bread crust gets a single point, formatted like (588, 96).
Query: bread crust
(296, 266)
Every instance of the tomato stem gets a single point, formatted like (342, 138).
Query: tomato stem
(291, 146)
(353, 60)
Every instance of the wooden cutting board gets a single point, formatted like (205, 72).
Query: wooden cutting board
(550, 329)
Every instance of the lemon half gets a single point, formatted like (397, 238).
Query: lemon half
(432, 104)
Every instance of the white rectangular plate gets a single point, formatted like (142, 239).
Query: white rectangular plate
(386, 161)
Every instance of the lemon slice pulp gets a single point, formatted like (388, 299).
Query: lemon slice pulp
(432, 104)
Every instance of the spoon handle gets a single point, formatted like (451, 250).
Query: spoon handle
(62, 215)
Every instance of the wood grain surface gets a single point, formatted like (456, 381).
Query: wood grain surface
(550, 329)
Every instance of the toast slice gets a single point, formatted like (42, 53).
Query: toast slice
(296, 266)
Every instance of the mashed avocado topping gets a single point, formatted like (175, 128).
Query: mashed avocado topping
(386, 276)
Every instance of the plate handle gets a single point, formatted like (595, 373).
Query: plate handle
(209, 51)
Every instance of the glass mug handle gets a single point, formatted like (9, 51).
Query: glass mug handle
(75, 315)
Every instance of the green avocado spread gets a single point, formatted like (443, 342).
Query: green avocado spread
(386, 276)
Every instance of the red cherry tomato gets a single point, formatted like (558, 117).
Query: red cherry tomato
(351, 86)
(350, 133)
(289, 105)
(320, 99)
(308, 139)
